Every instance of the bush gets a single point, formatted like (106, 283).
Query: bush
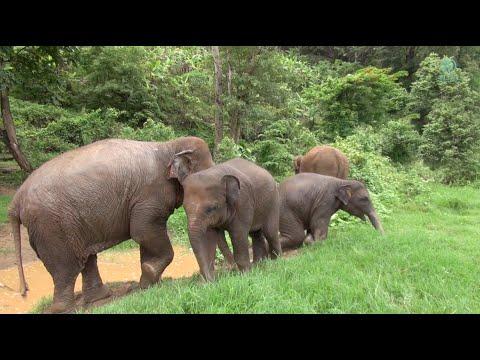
(279, 143)
(451, 140)
(228, 149)
(28, 114)
(151, 131)
(399, 140)
(369, 96)
(274, 157)
(67, 133)
(449, 121)
(117, 77)
(435, 79)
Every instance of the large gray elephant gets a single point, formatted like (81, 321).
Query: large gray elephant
(94, 197)
(237, 196)
(308, 201)
(324, 160)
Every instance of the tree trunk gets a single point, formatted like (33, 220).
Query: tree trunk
(234, 117)
(331, 53)
(235, 129)
(9, 134)
(410, 60)
(218, 97)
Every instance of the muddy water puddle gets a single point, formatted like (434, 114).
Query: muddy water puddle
(114, 267)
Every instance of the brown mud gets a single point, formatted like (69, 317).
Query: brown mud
(120, 270)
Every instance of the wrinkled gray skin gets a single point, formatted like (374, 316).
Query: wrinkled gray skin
(308, 201)
(239, 197)
(94, 197)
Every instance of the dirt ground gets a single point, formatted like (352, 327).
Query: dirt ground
(120, 270)
(7, 190)
(7, 248)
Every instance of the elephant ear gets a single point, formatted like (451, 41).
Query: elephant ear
(232, 189)
(344, 193)
(296, 164)
(180, 166)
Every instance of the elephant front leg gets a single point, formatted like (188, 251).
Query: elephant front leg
(319, 229)
(92, 286)
(320, 234)
(156, 251)
(308, 240)
(204, 245)
(240, 249)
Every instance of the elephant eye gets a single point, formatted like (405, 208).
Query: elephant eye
(211, 208)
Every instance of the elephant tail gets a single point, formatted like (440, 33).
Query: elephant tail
(15, 225)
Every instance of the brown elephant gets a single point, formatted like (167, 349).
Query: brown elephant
(96, 196)
(239, 197)
(324, 160)
(308, 201)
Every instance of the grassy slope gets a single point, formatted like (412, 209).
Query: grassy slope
(427, 263)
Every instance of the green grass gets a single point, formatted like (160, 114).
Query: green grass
(42, 305)
(4, 202)
(426, 263)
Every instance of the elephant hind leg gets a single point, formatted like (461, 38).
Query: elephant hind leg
(274, 245)
(63, 293)
(92, 285)
(55, 251)
(270, 230)
(64, 268)
(224, 248)
(259, 246)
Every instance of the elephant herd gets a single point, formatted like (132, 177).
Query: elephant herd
(96, 196)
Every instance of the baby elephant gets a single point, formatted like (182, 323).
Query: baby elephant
(237, 196)
(308, 201)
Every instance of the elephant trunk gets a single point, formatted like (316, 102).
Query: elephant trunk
(204, 249)
(374, 219)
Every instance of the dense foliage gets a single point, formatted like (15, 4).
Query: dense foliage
(392, 110)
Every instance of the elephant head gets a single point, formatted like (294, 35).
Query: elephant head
(354, 199)
(210, 200)
(296, 163)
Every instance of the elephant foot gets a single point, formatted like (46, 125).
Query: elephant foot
(61, 308)
(95, 294)
(308, 240)
(149, 275)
